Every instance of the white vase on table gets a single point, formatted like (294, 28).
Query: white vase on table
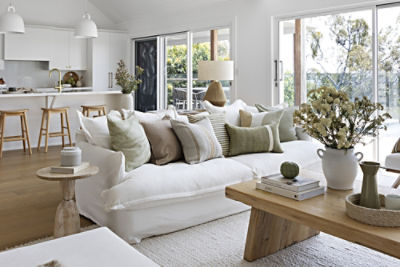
(126, 102)
(340, 167)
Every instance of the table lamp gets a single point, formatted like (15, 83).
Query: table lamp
(215, 71)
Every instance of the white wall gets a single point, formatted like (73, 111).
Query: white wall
(252, 21)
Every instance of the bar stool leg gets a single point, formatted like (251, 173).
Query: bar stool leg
(104, 111)
(396, 183)
(46, 146)
(62, 129)
(23, 132)
(2, 121)
(41, 131)
(27, 134)
(68, 128)
(99, 113)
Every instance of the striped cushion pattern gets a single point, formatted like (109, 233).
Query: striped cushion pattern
(198, 140)
(218, 124)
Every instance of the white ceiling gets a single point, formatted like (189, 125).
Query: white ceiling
(127, 10)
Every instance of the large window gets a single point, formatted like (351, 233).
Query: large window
(350, 51)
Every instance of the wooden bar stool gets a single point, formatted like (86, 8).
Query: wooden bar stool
(64, 125)
(101, 110)
(24, 137)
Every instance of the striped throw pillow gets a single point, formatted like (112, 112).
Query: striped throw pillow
(218, 124)
(198, 140)
(396, 148)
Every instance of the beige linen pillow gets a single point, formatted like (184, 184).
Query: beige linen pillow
(198, 140)
(165, 146)
(218, 123)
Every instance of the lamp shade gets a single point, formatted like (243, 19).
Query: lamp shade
(11, 22)
(86, 28)
(216, 70)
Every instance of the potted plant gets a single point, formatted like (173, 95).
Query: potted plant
(128, 83)
(339, 123)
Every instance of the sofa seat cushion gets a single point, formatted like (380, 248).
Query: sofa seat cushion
(392, 161)
(152, 185)
(302, 152)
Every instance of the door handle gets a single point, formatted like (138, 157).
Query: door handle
(276, 70)
(111, 80)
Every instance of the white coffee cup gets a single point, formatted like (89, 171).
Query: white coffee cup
(392, 202)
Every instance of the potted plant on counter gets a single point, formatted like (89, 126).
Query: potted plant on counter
(339, 123)
(128, 82)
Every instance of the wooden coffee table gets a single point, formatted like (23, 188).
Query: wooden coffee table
(67, 219)
(277, 222)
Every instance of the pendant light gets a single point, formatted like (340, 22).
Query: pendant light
(11, 22)
(86, 27)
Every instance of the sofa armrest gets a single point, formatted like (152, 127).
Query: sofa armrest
(111, 164)
(302, 135)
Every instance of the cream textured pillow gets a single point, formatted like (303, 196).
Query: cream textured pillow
(218, 123)
(198, 140)
(95, 130)
(128, 136)
(231, 112)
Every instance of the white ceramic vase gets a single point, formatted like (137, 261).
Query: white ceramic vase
(126, 101)
(340, 167)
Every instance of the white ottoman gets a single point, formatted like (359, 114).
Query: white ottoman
(392, 164)
(99, 247)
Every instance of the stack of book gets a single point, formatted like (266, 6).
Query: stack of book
(69, 170)
(299, 188)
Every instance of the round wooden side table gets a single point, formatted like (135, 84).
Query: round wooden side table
(67, 219)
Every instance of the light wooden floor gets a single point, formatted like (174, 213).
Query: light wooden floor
(27, 203)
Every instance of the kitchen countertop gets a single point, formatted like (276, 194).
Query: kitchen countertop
(67, 92)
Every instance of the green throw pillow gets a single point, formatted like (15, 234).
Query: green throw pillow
(287, 130)
(128, 136)
(244, 140)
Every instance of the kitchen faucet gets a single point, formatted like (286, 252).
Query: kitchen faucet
(59, 87)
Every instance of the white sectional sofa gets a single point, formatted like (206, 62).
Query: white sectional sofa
(153, 200)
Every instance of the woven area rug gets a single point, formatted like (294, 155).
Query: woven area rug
(221, 243)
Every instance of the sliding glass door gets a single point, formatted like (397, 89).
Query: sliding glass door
(357, 52)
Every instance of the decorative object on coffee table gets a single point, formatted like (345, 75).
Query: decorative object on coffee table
(378, 217)
(339, 123)
(128, 82)
(369, 192)
(216, 71)
(67, 220)
(289, 169)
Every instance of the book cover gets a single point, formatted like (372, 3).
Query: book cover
(320, 190)
(69, 170)
(296, 185)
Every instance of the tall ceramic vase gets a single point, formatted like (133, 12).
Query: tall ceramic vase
(340, 167)
(126, 101)
(369, 194)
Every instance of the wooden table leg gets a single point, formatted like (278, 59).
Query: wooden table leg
(396, 183)
(269, 233)
(67, 220)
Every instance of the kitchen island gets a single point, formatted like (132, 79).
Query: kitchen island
(48, 98)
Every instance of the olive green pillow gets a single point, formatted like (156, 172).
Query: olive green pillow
(128, 136)
(248, 119)
(244, 140)
(287, 130)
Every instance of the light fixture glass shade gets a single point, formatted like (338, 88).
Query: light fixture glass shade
(216, 70)
(86, 28)
(11, 22)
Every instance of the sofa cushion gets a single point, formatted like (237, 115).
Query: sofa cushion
(152, 185)
(392, 161)
(302, 152)
(95, 130)
(231, 111)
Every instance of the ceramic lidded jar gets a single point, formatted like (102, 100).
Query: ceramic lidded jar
(71, 156)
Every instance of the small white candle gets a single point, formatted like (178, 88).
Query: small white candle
(392, 202)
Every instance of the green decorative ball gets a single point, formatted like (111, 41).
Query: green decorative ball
(289, 169)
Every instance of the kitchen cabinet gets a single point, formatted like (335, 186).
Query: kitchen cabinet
(108, 49)
(35, 45)
(68, 53)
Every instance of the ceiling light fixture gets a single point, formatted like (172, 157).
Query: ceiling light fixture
(86, 27)
(11, 22)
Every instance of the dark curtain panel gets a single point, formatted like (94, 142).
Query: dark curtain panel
(146, 57)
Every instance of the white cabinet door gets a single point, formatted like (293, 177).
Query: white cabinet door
(118, 49)
(35, 44)
(59, 57)
(77, 52)
(100, 62)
